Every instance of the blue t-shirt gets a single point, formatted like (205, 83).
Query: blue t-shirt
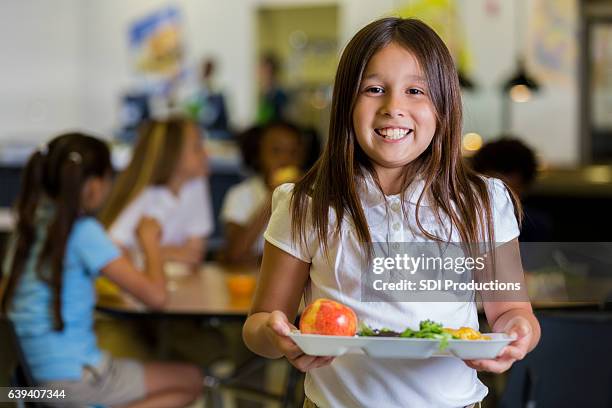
(54, 355)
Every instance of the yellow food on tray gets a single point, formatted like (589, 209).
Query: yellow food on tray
(466, 333)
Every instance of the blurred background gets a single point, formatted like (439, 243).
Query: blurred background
(539, 71)
(536, 81)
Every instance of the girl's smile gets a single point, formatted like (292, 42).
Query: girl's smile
(394, 118)
(393, 134)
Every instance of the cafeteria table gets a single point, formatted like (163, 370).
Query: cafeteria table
(204, 295)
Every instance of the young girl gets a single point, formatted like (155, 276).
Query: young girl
(276, 148)
(164, 180)
(57, 252)
(391, 171)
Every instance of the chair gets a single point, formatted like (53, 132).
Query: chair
(571, 367)
(21, 374)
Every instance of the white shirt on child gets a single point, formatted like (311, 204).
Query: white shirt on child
(356, 380)
(188, 215)
(242, 202)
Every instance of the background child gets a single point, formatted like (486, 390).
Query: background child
(391, 172)
(272, 151)
(57, 251)
(164, 180)
(516, 164)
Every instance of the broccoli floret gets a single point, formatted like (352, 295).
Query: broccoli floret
(365, 330)
(430, 326)
(408, 333)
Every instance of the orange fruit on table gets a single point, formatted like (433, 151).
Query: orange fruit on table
(241, 285)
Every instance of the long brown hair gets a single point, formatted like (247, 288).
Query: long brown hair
(57, 175)
(453, 188)
(154, 160)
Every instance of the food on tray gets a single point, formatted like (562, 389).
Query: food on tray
(324, 316)
(466, 333)
(427, 330)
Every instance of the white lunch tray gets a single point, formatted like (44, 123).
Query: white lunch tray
(396, 347)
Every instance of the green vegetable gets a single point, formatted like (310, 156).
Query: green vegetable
(408, 333)
(428, 329)
(365, 330)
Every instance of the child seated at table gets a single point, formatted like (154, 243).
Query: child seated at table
(277, 153)
(57, 251)
(164, 180)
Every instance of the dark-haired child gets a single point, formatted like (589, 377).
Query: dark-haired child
(276, 153)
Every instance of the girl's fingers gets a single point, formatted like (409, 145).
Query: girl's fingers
(494, 366)
(519, 327)
(279, 324)
(289, 349)
(280, 328)
(302, 362)
(306, 363)
(513, 352)
(504, 361)
(522, 343)
(323, 361)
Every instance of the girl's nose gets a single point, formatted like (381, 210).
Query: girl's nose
(393, 107)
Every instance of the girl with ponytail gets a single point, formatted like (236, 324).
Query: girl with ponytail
(56, 252)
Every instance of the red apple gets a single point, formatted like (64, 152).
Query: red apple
(324, 316)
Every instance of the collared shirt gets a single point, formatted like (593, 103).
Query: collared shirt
(181, 217)
(355, 380)
(61, 355)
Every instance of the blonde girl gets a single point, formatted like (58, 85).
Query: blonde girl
(164, 180)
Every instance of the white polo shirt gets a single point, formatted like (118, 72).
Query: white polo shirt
(241, 203)
(188, 215)
(355, 380)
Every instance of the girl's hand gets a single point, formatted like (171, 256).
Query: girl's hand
(277, 329)
(518, 326)
(148, 233)
(190, 253)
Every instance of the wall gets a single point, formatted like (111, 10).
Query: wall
(39, 65)
(66, 62)
(550, 121)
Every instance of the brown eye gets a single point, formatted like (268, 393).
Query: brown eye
(374, 90)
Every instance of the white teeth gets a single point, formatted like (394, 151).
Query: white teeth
(393, 133)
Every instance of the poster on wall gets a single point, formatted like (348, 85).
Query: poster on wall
(156, 49)
(552, 41)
